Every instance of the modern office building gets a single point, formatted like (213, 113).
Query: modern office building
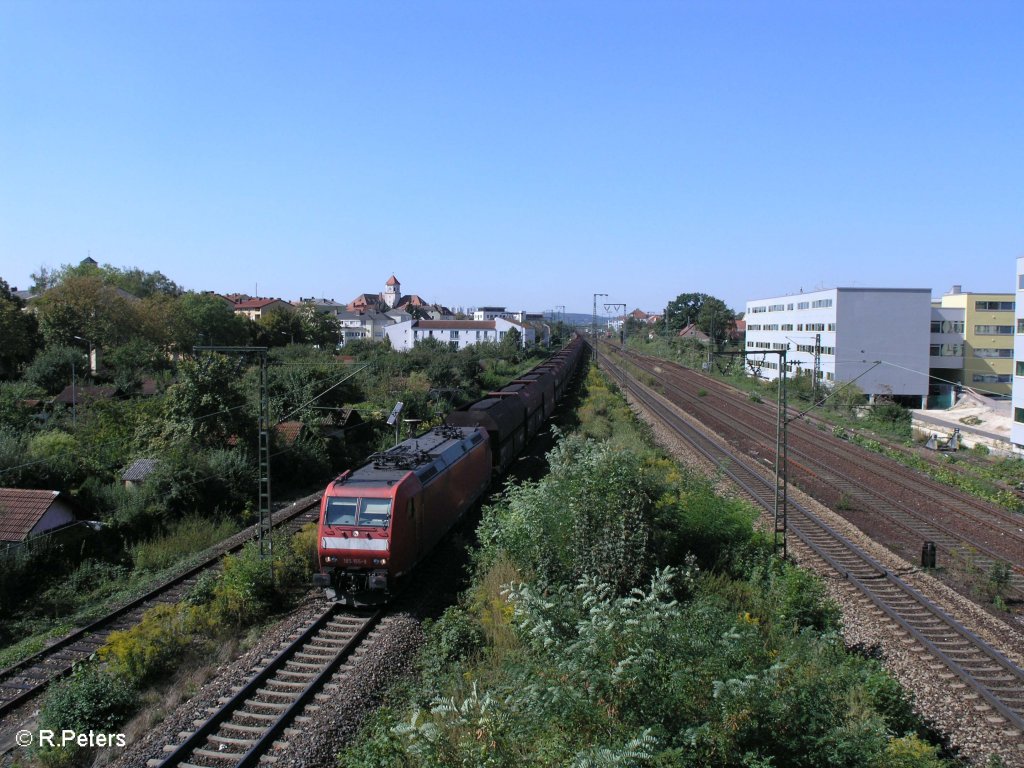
(973, 341)
(875, 337)
(1017, 427)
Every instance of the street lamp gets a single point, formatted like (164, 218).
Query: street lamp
(92, 367)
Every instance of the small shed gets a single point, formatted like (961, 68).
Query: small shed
(137, 472)
(25, 513)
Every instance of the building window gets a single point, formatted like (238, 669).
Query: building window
(992, 378)
(1020, 281)
(803, 305)
(455, 334)
(993, 330)
(992, 352)
(1018, 415)
(831, 327)
(947, 326)
(1020, 326)
(786, 327)
(789, 307)
(453, 344)
(821, 303)
(1020, 368)
(994, 306)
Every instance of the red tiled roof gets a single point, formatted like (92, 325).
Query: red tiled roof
(84, 394)
(21, 509)
(288, 431)
(392, 281)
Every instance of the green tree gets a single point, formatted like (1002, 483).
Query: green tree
(278, 327)
(715, 319)
(511, 347)
(319, 328)
(86, 307)
(133, 280)
(207, 404)
(19, 331)
(682, 311)
(205, 319)
(51, 368)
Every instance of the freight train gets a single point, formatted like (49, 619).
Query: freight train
(377, 522)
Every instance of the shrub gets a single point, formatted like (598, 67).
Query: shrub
(93, 698)
(245, 592)
(152, 647)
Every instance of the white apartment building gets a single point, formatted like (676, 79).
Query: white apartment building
(369, 324)
(877, 337)
(490, 313)
(1017, 427)
(456, 333)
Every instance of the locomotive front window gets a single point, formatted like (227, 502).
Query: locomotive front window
(374, 513)
(366, 513)
(340, 511)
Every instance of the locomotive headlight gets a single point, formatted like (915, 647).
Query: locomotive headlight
(330, 559)
(380, 561)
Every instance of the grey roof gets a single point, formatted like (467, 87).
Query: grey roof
(139, 470)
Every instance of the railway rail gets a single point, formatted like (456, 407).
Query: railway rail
(29, 677)
(993, 678)
(958, 524)
(248, 726)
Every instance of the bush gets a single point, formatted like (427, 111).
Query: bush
(153, 647)
(51, 368)
(93, 698)
(245, 592)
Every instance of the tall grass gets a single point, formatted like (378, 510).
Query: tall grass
(185, 537)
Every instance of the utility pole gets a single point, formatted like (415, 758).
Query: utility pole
(612, 308)
(781, 501)
(817, 367)
(781, 460)
(711, 344)
(265, 531)
(593, 322)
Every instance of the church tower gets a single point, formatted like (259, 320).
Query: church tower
(392, 292)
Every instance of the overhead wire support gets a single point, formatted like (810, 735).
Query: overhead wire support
(781, 502)
(265, 528)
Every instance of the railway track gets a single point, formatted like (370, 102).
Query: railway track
(967, 661)
(251, 724)
(993, 536)
(24, 680)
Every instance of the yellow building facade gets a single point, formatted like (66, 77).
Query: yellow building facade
(988, 329)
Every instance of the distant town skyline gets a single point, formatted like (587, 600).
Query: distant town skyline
(524, 155)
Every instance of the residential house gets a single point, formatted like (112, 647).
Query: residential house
(27, 513)
(254, 309)
(456, 333)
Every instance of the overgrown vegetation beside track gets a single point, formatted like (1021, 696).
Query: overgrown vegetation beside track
(622, 613)
(173, 640)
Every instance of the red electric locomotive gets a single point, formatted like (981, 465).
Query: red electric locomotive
(376, 523)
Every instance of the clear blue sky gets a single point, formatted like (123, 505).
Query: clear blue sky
(522, 153)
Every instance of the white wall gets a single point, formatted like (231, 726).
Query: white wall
(862, 324)
(1017, 427)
